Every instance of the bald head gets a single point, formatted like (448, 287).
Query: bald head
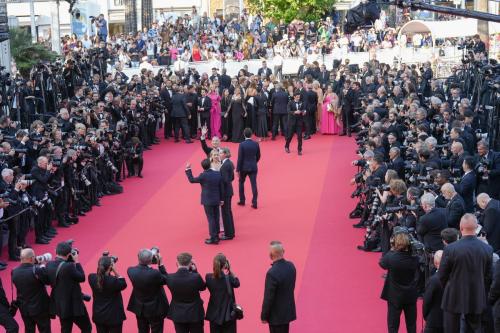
(276, 250)
(437, 258)
(27, 256)
(482, 200)
(468, 225)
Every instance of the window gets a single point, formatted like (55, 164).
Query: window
(118, 2)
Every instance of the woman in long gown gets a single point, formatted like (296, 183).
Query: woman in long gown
(215, 112)
(319, 92)
(328, 119)
(250, 94)
(238, 112)
(261, 104)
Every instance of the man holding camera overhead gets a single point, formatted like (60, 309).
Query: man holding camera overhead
(33, 300)
(148, 300)
(66, 300)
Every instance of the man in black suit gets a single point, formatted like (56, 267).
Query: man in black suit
(211, 196)
(6, 319)
(186, 308)
(311, 107)
(489, 180)
(279, 103)
(433, 296)
(278, 306)
(65, 274)
(296, 114)
(491, 219)
(349, 104)
(494, 296)
(465, 273)
(324, 77)
(227, 174)
(224, 81)
(43, 173)
(148, 300)
(467, 185)
(30, 280)
(204, 106)
(180, 115)
(396, 162)
(192, 101)
(264, 71)
(455, 208)
(430, 225)
(248, 157)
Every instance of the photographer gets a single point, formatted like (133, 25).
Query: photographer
(6, 319)
(429, 226)
(400, 287)
(186, 308)
(134, 157)
(488, 170)
(221, 284)
(467, 184)
(455, 208)
(148, 300)
(42, 174)
(65, 276)
(490, 219)
(30, 279)
(107, 284)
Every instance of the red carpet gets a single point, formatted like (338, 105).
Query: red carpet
(303, 201)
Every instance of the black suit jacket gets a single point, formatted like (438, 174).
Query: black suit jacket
(148, 298)
(179, 107)
(206, 106)
(66, 296)
(211, 186)
(400, 286)
(455, 209)
(311, 101)
(248, 156)
(494, 293)
(491, 223)
(30, 284)
(264, 71)
(107, 305)
(432, 303)
(220, 303)
(227, 174)
(278, 306)
(398, 165)
(466, 262)
(42, 177)
(324, 78)
(186, 305)
(466, 189)
(279, 102)
(429, 228)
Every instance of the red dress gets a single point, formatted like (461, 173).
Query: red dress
(196, 55)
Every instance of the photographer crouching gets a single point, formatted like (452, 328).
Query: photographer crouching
(400, 287)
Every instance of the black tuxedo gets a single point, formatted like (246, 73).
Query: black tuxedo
(429, 229)
(186, 307)
(204, 106)
(265, 71)
(311, 106)
(398, 165)
(466, 262)
(220, 303)
(211, 196)
(278, 306)
(492, 185)
(32, 295)
(494, 295)
(227, 174)
(491, 224)
(324, 78)
(148, 300)
(107, 305)
(279, 103)
(295, 123)
(66, 297)
(455, 209)
(466, 189)
(248, 157)
(432, 304)
(179, 115)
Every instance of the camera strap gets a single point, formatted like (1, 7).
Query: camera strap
(11, 286)
(229, 288)
(57, 273)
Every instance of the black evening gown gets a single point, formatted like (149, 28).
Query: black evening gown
(237, 112)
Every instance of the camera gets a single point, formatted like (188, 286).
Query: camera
(155, 251)
(114, 259)
(46, 257)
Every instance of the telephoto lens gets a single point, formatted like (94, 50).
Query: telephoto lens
(46, 257)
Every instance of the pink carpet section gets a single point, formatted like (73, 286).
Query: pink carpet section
(303, 201)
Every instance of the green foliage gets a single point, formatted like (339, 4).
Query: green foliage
(25, 53)
(288, 10)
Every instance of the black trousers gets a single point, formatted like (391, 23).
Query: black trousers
(433, 330)
(167, 126)
(83, 323)
(193, 122)
(181, 123)
(6, 320)
(253, 181)
(213, 217)
(281, 121)
(102, 328)
(227, 327)
(394, 315)
(188, 327)
(132, 162)
(279, 328)
(147, 325)
(42, 322)
(295, 126)
(227, 217)
(452, 322)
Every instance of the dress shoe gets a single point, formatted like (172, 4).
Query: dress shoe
(273, 138)
(2, 268)
(72, 219)
(98, 204)
(63, 225)
(349, 134)
(307, 137)
(212, 241)
(361, 248)
(189, 141)
(342, 134)
(48, 236)
(287, 150)
(359, 225)
(53, 230)
(81, 214)
(131, 175)
(226, 237)
(377, 249)
(41, 241)
(241, 203)
(254, 206)
(176, 140)
(300, 153)
(140, 176)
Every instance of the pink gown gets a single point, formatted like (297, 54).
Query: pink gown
(329, 124)
(215, 114)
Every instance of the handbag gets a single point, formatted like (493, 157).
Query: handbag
(237, 310)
